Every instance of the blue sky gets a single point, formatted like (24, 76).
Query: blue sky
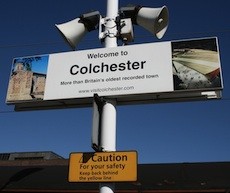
(41, 65)
(37, 65)
(160, 133)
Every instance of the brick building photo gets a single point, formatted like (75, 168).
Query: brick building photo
(26, 84)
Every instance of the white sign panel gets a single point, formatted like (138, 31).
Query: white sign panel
(164, 71)
(137, 69)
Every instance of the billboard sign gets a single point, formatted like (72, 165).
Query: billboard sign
(103, 167)
(127, 73)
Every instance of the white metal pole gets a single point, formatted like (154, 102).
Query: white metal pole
(111, 27)
(108, 124)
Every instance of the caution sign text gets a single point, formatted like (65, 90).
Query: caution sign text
(103, 167)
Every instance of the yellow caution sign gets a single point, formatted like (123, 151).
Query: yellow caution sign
(103, 167)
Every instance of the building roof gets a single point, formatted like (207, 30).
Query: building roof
(52, 176)
(30, 155)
